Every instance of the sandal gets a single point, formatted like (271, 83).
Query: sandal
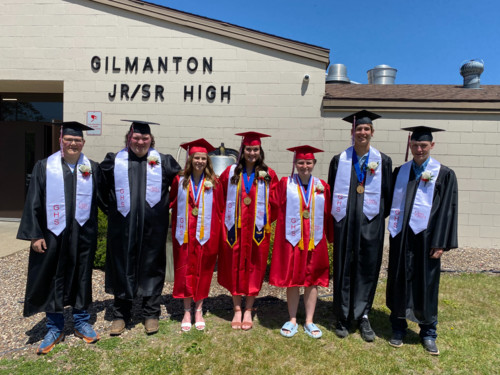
(186, 327)
(200, 326)
(246, 326)
(236, 325)
(291, 328)
(310, 328)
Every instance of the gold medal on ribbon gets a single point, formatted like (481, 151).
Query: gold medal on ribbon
(305, 214)
(247, 200)
(360, 189)
(195, 211)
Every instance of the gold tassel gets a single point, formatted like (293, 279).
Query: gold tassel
(301, 242)
(187, 216)
(311, 227)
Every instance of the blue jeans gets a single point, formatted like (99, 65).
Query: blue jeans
(427, 331)
(55, 321)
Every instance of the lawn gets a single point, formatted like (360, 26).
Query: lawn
(468, 340)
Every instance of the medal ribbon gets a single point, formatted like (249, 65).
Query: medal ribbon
(248, 181)
(360, 171)
(196, 188)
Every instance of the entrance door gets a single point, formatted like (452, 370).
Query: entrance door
(26, 137)
(21, 145)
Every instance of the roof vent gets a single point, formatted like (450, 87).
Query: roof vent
(337, 74)
(382, 75)
(471, 71)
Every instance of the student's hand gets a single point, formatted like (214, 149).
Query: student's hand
(39, 245)
(436, 253)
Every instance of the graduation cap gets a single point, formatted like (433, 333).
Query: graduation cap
(252, 138)
(361, 117)
(303, 152)
(73, 128)
(141, 127)
(420, 134)
(199, 145)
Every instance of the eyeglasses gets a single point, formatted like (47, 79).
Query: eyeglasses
(69, 141)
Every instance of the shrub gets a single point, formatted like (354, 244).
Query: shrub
(102, 232)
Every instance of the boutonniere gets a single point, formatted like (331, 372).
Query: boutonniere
(319, 188)
(208, 185)
(153, 161)
(426, 177)
(85, 170)
(372, 166)
(264, 176)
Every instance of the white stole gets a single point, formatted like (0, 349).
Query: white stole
(260, 205)
(55, 198)
(373, 184)
(122, 187)
(204, 217)
(230, 215)
(422, 204)
(293, 227)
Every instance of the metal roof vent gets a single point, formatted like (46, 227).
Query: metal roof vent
(337, 74)
(382, 75)
(471, 71)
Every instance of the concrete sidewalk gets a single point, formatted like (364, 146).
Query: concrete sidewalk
(8, 242)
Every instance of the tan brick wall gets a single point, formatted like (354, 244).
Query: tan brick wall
(56, 39)
(470, 146)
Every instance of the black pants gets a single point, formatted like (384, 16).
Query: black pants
(150, 308)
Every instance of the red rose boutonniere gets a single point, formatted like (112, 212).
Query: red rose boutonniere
(372, 167)
(208, 185)
(427, 177)
(319, 188)
(85, 170)
(153, 161)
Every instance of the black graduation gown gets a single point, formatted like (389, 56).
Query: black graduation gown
(358, 246)
(136, 244)
(413, 277)
(62, 275)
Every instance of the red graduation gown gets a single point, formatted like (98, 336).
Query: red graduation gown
(194, 263)
(242, 267)
(291, 266)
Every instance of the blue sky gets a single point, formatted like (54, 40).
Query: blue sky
(426, 41)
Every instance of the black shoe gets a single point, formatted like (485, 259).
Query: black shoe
(430, 346)
(366, 330)
(341, 329)
(396, 340)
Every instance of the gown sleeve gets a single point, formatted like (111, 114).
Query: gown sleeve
(446, 221)
(387, 185)
(34, 219)
(173, 192)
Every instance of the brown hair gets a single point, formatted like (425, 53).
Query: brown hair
(259, 166)
(188, 171)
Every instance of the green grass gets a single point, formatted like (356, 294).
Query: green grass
(468, 340)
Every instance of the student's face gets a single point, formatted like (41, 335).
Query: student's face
(251, 154)
(140, 144)
(421, 150)
(363, 133)
(72, 145)
(305, 167)
(199, 161)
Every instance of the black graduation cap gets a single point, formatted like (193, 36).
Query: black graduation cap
(73, 128)
(422, 133)
(141, 127)
(361, 117)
